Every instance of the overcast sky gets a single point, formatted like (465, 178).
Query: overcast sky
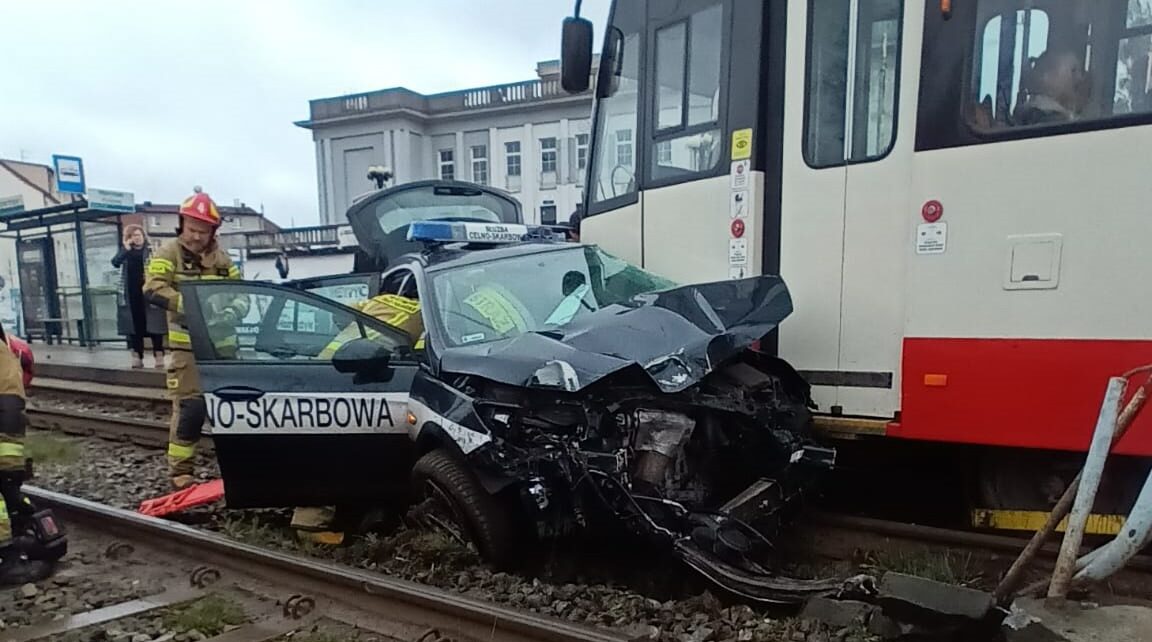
(159, 96)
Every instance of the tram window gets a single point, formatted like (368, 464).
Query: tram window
(1139, 13)
(670, 52)
(1134, 75)
(851, 80)
(1024, 37)
(613, 170)
(1069, 63)
(687, 95)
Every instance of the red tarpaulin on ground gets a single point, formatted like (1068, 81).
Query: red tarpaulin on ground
(195, 495)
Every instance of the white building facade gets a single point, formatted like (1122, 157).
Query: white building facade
(528, 138)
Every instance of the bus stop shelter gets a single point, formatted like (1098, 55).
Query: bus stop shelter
(68, 286)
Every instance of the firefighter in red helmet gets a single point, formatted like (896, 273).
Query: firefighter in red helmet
(195, 255)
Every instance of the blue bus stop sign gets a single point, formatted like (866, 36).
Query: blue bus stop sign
(69, 174)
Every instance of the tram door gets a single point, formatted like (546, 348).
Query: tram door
(843, 205)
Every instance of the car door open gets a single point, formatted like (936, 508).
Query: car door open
(310, 410)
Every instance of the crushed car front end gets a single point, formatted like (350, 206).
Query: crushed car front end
(647, 411)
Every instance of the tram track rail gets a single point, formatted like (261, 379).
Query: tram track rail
(400, 609)
(88, 424)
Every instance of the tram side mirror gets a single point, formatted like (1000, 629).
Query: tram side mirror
(611, 63)
(364, 358)
(576, 55)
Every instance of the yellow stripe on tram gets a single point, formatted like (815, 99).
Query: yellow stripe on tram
(1033, 520)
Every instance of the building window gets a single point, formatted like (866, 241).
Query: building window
(480, 164)
(664, 152)
(547, 214)
(839, 127)
(624, 148)
(447, 165)
(548, 155)
(581, 151)
(512, 156)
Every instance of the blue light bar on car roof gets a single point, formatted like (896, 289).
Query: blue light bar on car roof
(456, 232)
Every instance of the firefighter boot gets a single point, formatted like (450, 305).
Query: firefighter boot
(35, 532)
(314, 524)
(15, 567)
(188, 417)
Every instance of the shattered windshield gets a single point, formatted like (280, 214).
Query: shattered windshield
(538, 292)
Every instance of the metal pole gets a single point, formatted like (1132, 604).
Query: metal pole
(85, 299)
(1086, 495)
(1015, 574)
(1103, 562)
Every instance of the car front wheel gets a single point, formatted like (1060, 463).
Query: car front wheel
(459, 505)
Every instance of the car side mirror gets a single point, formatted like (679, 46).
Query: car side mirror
(362, 357)
(576, 55)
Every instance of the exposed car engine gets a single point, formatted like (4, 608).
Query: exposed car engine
(711, 471)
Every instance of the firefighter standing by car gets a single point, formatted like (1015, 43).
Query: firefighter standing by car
(195, 255)
(14, 542)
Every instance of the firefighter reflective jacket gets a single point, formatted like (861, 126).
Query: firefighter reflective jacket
(11, 413)
(173, 264)
(12, 370)
(397, 311)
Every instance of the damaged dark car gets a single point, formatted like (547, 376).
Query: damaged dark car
(567, 387)
(528, 387)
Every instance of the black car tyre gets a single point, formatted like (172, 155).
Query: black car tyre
(486, 522)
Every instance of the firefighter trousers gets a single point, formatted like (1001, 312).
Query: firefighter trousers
(189, 411)
(12, 427)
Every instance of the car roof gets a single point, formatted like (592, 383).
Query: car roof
(456, 256)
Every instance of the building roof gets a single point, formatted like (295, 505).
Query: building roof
(13, 167)
(545, 89)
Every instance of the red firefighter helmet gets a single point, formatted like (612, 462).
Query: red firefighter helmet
(24, 353)
(200, 207)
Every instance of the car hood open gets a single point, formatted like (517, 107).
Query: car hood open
(676, 336)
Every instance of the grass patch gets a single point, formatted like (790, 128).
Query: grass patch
(208, 615)
(47, 448)
(251, 529)
(956, 568)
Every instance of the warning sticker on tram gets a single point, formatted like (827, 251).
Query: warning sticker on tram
(319, 413)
